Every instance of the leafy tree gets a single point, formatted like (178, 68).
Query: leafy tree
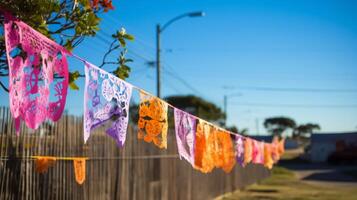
(198, 107)
(277, 125)
(68, 22)
(304, 130)
(243, 131)
(234, 129)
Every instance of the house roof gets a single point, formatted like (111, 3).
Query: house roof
(332, 137)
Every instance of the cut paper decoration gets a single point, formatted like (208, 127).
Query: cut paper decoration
(258, 152)
(213, 148)
(268, 160)
(204, 147)
(36, 65)
(106, 98)
(79, 165)
(42, 163)
(281, 147)
(275, 149)
(239, 146)
(152, 122)
(248, 151)
(211, 156)
(224, 151)
(185, 129)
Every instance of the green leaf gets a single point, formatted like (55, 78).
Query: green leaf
(73, 86)
(129, 37)
(122, 71)
(129, 60)
(85, 3)
(56, 6)
(78, 29)
(122, 42)
(68, 45)
(72, 78)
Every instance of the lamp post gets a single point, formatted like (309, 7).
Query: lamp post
(159, 30)
(225, 102)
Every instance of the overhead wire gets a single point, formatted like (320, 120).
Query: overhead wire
(168, 104)
(172, 74)
(294, 105)
(183, 81)
(137, 37)
(313, 90)
(106, 34)
(169, 85)
(130, 52)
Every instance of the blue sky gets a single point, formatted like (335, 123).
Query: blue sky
(276, 44)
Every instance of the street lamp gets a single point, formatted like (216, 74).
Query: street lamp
(225, 102)
(159, 30)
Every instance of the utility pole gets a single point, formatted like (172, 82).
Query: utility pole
(225, 104)
(225, 109)
(159, 30)
(158, 74)
(257, 125)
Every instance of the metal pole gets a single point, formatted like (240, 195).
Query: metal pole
(225, 109)
(157, 165)
(158, 74)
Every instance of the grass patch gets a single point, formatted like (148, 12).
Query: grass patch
(284, 185)
(291, 154)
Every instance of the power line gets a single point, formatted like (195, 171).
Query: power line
(130, 52)
(274, 89)
(169, 85)
(295, 105)
(137, 38)
(182, 81)
(174, 75)
(147, 59)
(138, 73)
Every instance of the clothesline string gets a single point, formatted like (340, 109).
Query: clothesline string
(173, 107)
(93, 158)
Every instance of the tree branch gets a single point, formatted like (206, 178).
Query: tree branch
(4, 87)
(110, 50)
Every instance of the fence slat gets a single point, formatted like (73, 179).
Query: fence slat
(154, 178)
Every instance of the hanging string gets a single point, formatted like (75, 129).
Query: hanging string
(169, 156)
(170, 105)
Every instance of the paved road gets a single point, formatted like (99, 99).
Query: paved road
(324, 174)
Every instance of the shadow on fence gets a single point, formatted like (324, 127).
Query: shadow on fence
(137, 171)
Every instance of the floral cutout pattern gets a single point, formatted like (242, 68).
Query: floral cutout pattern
(106, 98)
(204, 147)
(36, 63)
(248, 150)
(185, 129)
(275, 149)
(224, 151)
(152, 122)
(281, 147)
(258, 152)
(239, 146)
(268, 160)
(213, 148)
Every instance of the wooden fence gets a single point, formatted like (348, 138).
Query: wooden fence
(137, 171)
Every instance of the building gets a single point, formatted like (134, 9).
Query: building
(324, 144)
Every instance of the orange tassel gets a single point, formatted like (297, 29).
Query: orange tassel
(80, 169)
(43, 163)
